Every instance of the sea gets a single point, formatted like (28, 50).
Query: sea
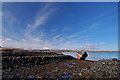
(95, 56)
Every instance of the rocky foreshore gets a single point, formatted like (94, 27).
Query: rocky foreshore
(21, 66)
(12, 61)
(70, 69)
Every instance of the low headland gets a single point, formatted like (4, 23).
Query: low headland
(19, 64)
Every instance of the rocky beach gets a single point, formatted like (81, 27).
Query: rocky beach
(26, 65)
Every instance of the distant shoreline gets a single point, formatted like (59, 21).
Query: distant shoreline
(85, 50)
(5, 48)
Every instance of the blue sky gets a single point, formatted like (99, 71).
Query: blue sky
(70, 25)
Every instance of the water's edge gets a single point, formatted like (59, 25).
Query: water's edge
(95, 56)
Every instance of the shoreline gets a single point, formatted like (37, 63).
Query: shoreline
(28, 65)
(19, 49)
(67, 69)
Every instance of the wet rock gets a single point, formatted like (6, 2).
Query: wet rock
(31, 76)
(66, 76)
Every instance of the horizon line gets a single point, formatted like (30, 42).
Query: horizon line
(66, 50)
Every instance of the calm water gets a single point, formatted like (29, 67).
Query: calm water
(96, 55)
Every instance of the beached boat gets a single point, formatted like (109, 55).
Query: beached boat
(81, 55)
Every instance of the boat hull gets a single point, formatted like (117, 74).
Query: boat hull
(78, 56)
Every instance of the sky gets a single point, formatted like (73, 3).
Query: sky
(60, 25)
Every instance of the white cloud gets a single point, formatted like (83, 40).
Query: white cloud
(71, 36)
(9, 25)
(65, 28)
(91, 46)
(46, 48)
(94, 26)
(41, 18)
(8, 39)
(36, 39)
(102, 43)
(23, 40)
(57, 36)
(40, 39)
(13, 19)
